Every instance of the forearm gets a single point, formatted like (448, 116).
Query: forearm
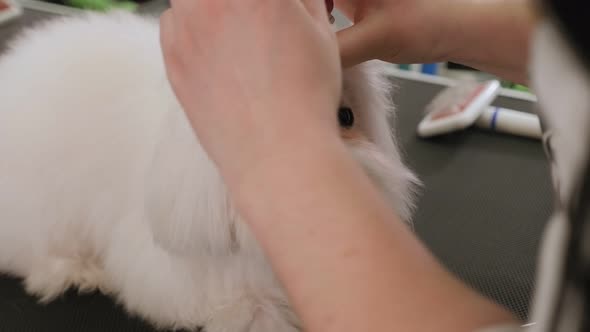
(346, 261)
(491, 35)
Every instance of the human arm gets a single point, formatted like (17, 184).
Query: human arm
(490, 35)
(343, 256)
(346, 260)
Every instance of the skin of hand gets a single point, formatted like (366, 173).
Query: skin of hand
(490, 35)
(250, 77)
(260, 89)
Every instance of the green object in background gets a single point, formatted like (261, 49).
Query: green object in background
(514, 86)
(520, 88)
(102, 5)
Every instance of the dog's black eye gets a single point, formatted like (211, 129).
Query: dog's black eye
(345, 117)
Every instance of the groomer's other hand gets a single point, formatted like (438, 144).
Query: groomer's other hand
(257, 78)
(399, 31)
(491, 35)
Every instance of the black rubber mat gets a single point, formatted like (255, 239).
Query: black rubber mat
(485, 202)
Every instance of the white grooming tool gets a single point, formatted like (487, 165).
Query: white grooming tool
(510, 122)
(459, 107)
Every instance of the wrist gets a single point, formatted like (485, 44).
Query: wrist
(286, 160)
(444, 18)
(462, 34)
(490, 35)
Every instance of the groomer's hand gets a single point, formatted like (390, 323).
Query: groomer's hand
(490, 35)
(252, 75)
(400, 31)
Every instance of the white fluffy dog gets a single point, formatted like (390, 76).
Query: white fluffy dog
(103, 185)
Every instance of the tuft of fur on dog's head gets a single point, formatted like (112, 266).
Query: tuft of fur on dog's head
(367, 91)
(188, 205)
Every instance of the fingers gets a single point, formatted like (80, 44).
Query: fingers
(317, 9)
(360, 42)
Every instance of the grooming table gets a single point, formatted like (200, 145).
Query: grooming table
(485, 202)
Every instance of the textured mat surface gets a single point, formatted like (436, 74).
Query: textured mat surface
(484, 205)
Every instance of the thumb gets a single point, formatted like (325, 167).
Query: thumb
(360, 42)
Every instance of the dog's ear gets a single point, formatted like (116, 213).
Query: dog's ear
(380, 80)
(370, 88)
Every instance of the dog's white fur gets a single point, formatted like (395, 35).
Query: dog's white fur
(103, 185)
